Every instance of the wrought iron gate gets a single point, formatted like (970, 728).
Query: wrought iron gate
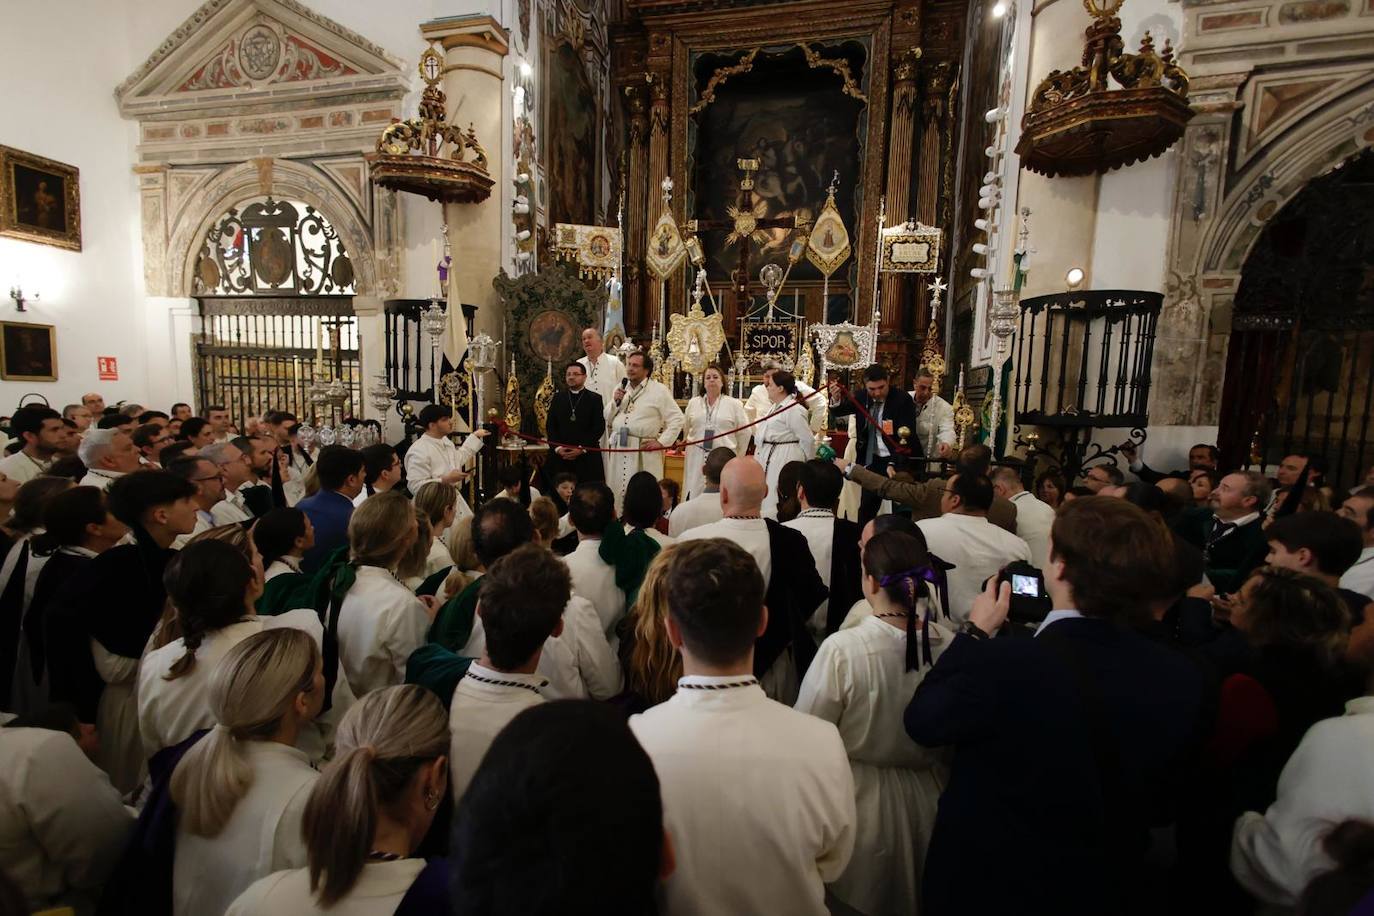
(259, 353)
(1300, 368)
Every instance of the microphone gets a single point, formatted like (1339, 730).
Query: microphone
(624, 382)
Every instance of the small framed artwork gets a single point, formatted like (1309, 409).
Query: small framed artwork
(28, 352)
(40, 200)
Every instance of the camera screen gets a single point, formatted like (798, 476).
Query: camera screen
(1025, 585)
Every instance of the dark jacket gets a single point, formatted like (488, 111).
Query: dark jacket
(1231, 559)
(923, 496)
(795, 590)
(900, 409)
(584, 431)
(1061, 761)
(845, 573)
(329, 511)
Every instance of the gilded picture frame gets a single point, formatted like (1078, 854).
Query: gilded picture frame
(28, 352)
(40, 200)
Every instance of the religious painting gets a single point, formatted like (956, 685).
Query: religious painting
(28, 352)
(570, 134)
(554, 337)
(40, 200)
(800, 113)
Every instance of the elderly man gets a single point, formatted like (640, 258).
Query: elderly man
(234, 473)
(1359, 508)
(640, 415)
(209, 483)
(93, 402)
(108, 455)
(78, 414)
(604, 372)
(1230, 533)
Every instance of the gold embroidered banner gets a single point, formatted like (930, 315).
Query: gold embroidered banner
(595, 249)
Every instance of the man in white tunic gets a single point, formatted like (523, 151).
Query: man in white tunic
(934, 419)
(642, 415)
(42, 433)
(760, 405)
(523, 595)
(704, 508)
(108, 455)
(1034, 518)
(604, 374)
(590, 510)
(964, 536)
(433, 456)
(758, 799)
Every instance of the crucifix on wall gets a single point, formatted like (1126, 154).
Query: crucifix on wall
(746, 224)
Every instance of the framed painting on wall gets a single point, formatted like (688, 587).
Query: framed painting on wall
(40, 200)
(28, 352)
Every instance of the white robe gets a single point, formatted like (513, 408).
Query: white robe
(62, 825)
(783, 437)
(758, 801)
(647, 413)
(818, 527)
(431, 457)
(758, 405)
(262, 836)
(594, 579)
(22, 468)
(977, 548)
(603, 377)
(727, 413)
(859, 682)
(116, 720)
(100, 478)
(1034, 519)
(231, 510)
(702, 510)
(934, 426)
(380, 623)
(378, 892)
(478, 713)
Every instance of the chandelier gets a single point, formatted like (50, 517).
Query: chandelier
(1076, 124)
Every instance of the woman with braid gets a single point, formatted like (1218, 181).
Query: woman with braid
(367, 814)
(861, 680)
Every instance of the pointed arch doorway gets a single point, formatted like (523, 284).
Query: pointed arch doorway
(1300, 365)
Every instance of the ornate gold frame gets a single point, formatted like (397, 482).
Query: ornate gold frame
(707, 330)
(9, 204)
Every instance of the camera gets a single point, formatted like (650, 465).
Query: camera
(1030, 603)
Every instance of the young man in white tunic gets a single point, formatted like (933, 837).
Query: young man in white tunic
(640, 415)
(521, 606)
(604, 374)
(42, 433)
(108, 455)
(962, 535)
(1034, 518)
(861, 680)
(705, 507)
(757, 798)
(590, 510)
(433, 456)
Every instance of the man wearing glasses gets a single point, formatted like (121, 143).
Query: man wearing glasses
(150, 439)
(209, 481)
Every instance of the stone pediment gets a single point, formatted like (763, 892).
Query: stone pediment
(232, 53)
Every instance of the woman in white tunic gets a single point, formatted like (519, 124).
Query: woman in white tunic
(241, 790)
(367, 813)
(213, 585)
(439, 503)
(708, 415)
(380, 621)
(784, 436)
(861, 680)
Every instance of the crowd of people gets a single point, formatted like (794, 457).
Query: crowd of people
(242, 676)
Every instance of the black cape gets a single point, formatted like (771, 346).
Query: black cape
(795, 590)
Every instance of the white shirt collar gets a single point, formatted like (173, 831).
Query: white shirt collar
(1052, 616)
(1240, 522)
(484, 676)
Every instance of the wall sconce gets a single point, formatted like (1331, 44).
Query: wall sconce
(999, 10)
(17, 294)
(1074, 277)
(525, 69)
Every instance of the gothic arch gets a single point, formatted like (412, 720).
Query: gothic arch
(280, 178)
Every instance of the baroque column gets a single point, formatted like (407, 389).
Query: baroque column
(658, 170)
(899, 174)
(636, 316)
(475, 49)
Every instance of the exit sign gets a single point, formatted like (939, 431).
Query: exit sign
(108, 368)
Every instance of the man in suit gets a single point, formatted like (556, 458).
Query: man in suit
(1201, 457)
(340, 471)
(880, 444)
(1230, 533)
(1065, 828)
(576, 419)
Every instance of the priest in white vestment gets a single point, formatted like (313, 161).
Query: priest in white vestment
(433, 456)
(758, 800)
(642, 415)
(604, 374)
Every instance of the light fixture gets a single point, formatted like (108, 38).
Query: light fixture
(522, 179)
(999, 10)
(989, 177)
(525, 69)
(17, 294)
(979, 273)
(988, 190)
(981, 248)
(985, 225)
(993, 115)
(521, 208)
(992, 152)
(988, 203)
(1074, 277)
(522, 236)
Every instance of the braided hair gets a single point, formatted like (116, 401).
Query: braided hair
(901, 565)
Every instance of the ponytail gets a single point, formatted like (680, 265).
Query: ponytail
(382, 742)
(251, 690)
(904, 570)
(207, 583)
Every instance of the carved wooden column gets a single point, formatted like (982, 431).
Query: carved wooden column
(899, 160)
(635, 220)
(658, 170)
(929, 172)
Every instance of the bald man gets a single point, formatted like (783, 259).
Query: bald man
(794, 589)
(93, 402)
(604, 373)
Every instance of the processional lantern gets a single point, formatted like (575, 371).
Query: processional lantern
(1077, 124)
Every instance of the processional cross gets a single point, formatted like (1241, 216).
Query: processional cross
(746, 224)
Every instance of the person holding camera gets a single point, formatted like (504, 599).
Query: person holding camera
(1066, 745)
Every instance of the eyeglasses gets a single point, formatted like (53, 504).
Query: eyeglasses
(203, 479)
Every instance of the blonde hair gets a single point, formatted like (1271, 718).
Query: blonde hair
(382, 742)
(412, 562)
(655, 664)
(310, 480)
(544, 514)
(251, 690)
(378, 529)
(460, 548)
(434, 499)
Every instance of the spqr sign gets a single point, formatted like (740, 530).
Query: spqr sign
(776, 339)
